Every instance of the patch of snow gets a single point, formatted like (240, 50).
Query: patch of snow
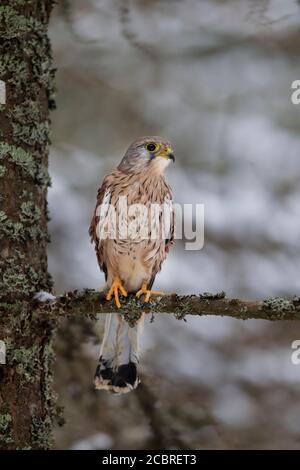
(233, 407)
(96, 442)
(44, 296)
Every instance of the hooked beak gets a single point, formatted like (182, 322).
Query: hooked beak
(167, 153)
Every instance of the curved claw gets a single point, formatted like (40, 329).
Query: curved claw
(147, 293)
(114, 291)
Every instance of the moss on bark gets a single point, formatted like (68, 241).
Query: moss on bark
(27, 402)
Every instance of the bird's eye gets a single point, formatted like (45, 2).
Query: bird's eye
(151, 147)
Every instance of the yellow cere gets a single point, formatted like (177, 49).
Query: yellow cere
(165, 152)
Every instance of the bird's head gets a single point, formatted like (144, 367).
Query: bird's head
(151, 154)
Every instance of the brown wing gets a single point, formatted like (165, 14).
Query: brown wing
(169, 241)
(102, 197)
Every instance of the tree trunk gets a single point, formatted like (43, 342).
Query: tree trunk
(26, 399)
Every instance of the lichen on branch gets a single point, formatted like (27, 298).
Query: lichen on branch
(90, 302)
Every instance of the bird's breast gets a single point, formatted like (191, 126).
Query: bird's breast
(132, 269)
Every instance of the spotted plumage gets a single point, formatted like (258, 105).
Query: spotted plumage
(131, 263)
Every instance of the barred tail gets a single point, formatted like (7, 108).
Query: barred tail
(119, 355)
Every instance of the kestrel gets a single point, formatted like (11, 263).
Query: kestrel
(130, 260)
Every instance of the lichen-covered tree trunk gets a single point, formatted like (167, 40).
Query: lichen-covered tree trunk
(26, 74)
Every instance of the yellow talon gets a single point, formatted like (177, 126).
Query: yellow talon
(114, 291)
(147, 293)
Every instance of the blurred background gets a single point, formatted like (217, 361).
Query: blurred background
(214, 77)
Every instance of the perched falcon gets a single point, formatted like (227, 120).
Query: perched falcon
(130, 262)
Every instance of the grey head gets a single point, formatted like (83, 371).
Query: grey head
(151, 154)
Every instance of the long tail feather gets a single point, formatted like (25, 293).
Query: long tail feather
(119, 355)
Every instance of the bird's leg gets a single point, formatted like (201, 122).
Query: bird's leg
(114, 291)
(147, 293)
